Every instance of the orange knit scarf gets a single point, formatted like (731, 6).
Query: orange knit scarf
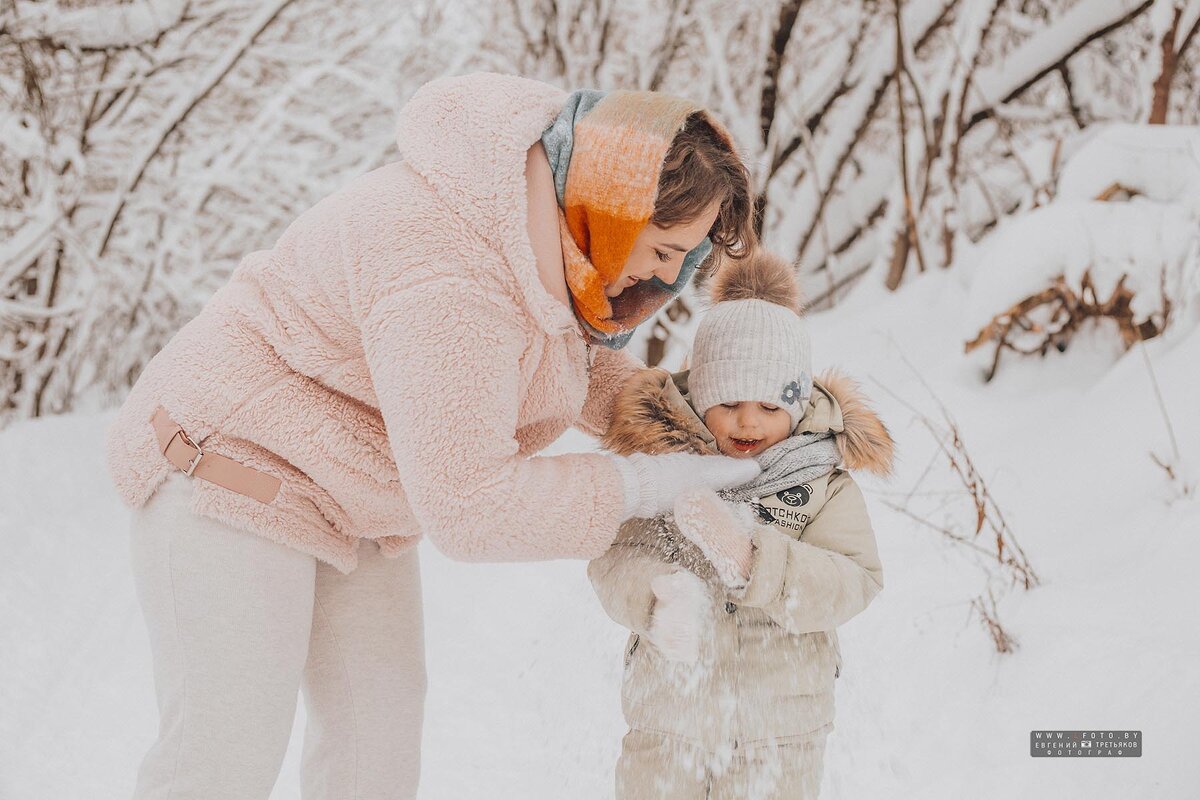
(614, 144)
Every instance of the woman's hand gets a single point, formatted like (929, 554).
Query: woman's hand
(652, 483)
(680, 617)
(723, 536)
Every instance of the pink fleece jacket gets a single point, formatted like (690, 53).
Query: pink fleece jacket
(395, 359)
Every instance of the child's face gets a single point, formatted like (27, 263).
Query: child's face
(747, 428)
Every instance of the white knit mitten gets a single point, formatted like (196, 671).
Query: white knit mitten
(680, 616)
(652, 482)
(723, 537)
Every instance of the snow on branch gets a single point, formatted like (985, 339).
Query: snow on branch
(1158, 162)
(100, 26)
(134, 179)
(1045, 51)
(184, 105)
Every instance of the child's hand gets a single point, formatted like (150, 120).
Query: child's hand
(713, 526)
(680, 616)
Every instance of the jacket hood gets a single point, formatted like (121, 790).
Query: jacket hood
(652, 415)
(467, 137)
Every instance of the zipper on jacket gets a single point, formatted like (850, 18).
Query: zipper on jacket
(589, 348)
(737, 690)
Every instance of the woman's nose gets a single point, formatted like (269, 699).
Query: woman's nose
(669, 273)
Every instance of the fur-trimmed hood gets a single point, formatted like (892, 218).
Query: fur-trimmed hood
(652, 415)
(467, 136)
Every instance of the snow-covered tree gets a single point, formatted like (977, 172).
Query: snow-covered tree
(883, 134)
(146, 146)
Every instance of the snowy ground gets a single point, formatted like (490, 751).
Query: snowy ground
(525, 667)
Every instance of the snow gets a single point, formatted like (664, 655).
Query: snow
(1191, 11)
(845, 118)
(1038, 54)
(1151, 241)
(525, 667)
(181, 107)
(1160, 162)
(101, 25)
(525, 682)
(1151, 245)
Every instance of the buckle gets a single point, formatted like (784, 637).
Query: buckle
(194, 463)
(188, 441)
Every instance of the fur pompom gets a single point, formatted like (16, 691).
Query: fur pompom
(762, 275)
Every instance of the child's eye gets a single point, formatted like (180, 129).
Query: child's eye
(766, 407)
(662, 256)
(730, 405)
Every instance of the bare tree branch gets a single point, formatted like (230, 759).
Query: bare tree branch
(185, 106)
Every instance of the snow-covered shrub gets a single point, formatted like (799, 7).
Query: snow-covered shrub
(1157, 162)
(1134, 262)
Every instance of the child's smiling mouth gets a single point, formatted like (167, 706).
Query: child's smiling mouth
(744, 445)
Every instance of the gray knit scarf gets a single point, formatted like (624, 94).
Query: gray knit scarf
(800, 458)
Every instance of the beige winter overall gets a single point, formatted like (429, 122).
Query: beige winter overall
(751, 718)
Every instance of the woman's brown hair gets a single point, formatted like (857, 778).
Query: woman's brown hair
(699, 167)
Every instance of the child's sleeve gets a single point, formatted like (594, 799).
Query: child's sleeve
(621, 577)
(609, 372)
(827, 577)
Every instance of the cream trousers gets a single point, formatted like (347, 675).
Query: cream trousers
(655, 766)
(239, 625)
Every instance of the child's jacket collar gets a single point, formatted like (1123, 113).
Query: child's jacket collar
(652, 415)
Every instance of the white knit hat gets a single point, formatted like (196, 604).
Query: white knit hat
(752, 345)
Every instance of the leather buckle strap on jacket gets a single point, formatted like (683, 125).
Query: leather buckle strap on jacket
(194, 461)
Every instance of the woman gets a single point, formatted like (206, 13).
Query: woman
(386, 370)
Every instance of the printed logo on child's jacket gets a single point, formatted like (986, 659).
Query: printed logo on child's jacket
(790, 515)
(795, 496)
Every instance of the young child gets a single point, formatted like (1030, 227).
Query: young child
(733, 601)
